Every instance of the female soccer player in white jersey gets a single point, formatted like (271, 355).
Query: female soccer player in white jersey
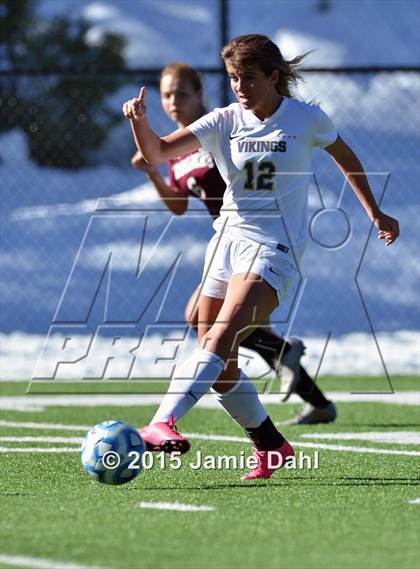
(195, 174)
(262, 146)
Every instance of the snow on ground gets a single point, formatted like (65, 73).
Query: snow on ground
(155, 31)
(25, 356)
(46, 211)
(350, 32)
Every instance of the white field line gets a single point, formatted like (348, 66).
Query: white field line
(176, 506)
(369, 450)
(400, 437)
(226, 438)
(394, 437)
(319, 446)
(47, 426)
(39, 563)
(415, 501)
(222, 438)
(65, 440)
(39, 403)
(40, 449)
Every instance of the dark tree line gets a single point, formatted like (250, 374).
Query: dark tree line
(64, 115)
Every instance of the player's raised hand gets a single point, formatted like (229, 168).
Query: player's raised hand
(135, 109)
(388, 228)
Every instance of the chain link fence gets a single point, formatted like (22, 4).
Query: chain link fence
(78, 221)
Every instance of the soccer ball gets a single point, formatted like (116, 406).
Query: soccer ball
(111, 452)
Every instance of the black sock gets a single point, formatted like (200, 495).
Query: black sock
(267, 344)
(309, 391)
(266, 436)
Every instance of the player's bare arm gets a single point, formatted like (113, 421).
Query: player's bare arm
(177, 204)
(139, 163)
(352, 169)
(154, 149)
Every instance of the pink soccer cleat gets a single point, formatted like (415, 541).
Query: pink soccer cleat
(164, 437)
(269, 461)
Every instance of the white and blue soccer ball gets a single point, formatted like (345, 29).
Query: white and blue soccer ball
(111, 452)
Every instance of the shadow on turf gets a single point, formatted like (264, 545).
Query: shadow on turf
(348, 481)
(384, 425)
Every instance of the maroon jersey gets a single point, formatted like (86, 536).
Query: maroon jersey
(196, 174)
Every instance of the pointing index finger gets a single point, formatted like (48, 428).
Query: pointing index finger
(142, 94)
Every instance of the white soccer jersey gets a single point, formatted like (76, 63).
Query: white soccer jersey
(266, 165)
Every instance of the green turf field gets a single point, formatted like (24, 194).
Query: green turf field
(358, 510)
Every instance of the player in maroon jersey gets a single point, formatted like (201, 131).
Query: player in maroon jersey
(196, 175)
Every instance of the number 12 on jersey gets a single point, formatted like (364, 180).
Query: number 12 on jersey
(260, 180)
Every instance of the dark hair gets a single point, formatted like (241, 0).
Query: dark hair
(184, 71)
(256, 50)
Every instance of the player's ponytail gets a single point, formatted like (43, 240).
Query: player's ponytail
(256, 50)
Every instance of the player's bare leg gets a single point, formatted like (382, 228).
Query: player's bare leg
(191, 309)
(248, 303)
(282, 356)
(184, 391)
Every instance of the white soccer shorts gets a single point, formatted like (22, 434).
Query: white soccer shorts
(228, 255)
